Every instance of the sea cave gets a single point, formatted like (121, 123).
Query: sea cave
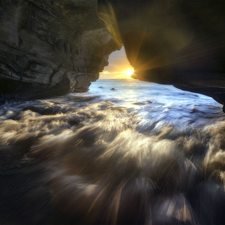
(112, 112)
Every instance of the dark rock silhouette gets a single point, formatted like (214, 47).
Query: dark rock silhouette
(112, 89)
(173, 42)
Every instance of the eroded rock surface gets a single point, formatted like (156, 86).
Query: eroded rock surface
(50, 47)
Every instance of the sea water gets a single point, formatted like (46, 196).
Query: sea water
(126, 152)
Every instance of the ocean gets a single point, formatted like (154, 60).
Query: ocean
(126, 152)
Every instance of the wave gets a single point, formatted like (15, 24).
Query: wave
(68, 161)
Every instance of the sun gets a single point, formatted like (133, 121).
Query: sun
(129, 72)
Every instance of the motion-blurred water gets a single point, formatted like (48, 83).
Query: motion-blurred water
(141, 153)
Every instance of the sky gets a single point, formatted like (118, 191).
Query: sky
(118, 65)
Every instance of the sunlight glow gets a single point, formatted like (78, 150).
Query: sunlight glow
(129, 72)
(119, 67)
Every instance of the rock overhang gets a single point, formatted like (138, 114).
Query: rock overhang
(174, 42)
(50, 48)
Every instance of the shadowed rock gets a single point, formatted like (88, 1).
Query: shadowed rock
(173, 42)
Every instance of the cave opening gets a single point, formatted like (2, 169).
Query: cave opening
(118, 67)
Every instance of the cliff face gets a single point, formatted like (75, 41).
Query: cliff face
(175, 42)
(51, 47)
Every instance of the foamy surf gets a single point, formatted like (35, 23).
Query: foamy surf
(142, 154)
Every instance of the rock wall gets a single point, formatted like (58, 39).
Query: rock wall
(175, 42)
(51, 47)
